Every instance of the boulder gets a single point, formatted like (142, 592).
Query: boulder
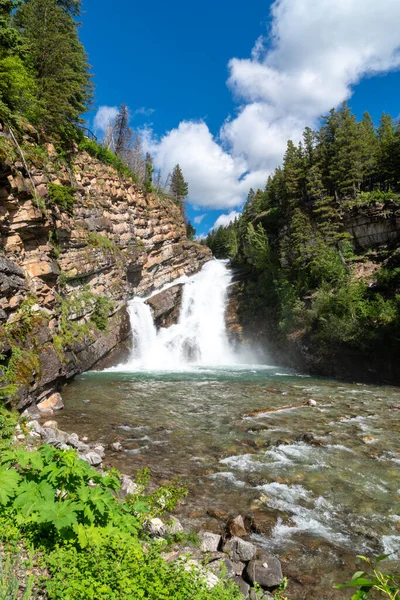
(53, 402)
(128, 486)
(209, 542)
(99, 449)
(239, 550)
(92, 458)
(243, 586)
(51, 425)
(236, 527)
(221, 564)
(265, 570)
(174, 526)
(117, 446)
(156, 527)
(73, 440)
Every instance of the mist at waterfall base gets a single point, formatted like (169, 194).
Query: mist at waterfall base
(199, 339)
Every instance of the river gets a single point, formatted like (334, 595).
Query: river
(179, 405)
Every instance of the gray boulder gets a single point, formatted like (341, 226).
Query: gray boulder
(239, 550)
(92, 458)
(209, 542)
(266, 571)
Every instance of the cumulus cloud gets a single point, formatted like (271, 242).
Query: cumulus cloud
(225, 219)
(104, 116)
(199, 219)
(310, 59)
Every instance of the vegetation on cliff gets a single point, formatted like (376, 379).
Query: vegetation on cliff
(66, 533)
(308, 271)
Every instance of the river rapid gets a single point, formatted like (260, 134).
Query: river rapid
(317, 500)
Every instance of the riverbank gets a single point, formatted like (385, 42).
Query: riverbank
(319, 482)
(68, 507)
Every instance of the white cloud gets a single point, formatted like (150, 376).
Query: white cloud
(104, 116)
(224, 220)
(146, 112)
(199, 219)
(312, 56)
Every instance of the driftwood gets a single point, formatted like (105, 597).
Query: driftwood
(254, 413)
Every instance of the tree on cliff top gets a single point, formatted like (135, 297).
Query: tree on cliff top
(59, 63)
(122, 132)
(179, 188)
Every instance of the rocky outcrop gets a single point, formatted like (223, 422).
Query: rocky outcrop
(77, 241)
(373, 224)
(166, 305)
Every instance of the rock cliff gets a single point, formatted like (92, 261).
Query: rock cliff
(77, 241)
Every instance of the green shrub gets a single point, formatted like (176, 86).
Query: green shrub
(101, 312)
(107, 157)
(62, 196)
(373, 581)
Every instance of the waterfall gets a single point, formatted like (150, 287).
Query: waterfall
(198, 338)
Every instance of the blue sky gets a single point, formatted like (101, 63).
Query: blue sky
(219, 87)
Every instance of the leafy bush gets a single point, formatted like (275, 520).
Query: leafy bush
(373, 580)
(101, 312)
(62, 196)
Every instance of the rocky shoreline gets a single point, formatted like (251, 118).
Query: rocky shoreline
(216, 556)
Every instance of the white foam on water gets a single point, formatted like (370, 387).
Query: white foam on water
(316, 517)
(391, 545)
(243, 462)
(227, 476)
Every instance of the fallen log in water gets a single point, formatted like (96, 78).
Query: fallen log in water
(255, 413)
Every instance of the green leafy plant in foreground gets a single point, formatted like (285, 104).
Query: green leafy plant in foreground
(373, 580)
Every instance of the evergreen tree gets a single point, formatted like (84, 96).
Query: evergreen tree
(190, 231)
(179, 188)
(59, 61)
(386, 153)
(17, 84)
(122, 132)
(148, 176)
(369, 151)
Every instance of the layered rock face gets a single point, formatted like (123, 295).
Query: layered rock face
(77, 241)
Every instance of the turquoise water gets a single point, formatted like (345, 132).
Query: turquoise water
(316, 504)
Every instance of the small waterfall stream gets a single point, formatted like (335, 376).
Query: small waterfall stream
(199, 337)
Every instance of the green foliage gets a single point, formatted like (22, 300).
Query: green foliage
(290, 240)
(107, 157)
(62, 196)
(8, 421)
(190, 231)
(101, 241)
(102, 309)
(373, 580)
(59, 64)
(11, 565)
(89, 540)
(71, 329)
(178, 187)
(117, 568)
(148, 174)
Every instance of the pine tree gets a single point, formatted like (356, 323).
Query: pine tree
(59, 61)
(122, 132)
(179, 188)
(369, 151)
(17, 84)
(386, 153)
(148, 177)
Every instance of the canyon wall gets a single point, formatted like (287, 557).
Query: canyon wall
(77, 241)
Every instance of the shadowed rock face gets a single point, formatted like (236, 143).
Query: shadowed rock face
(166, 305)
(55, 264)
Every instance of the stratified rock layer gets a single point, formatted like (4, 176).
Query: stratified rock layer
(57, 265)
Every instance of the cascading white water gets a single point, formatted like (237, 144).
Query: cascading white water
(198, 339)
